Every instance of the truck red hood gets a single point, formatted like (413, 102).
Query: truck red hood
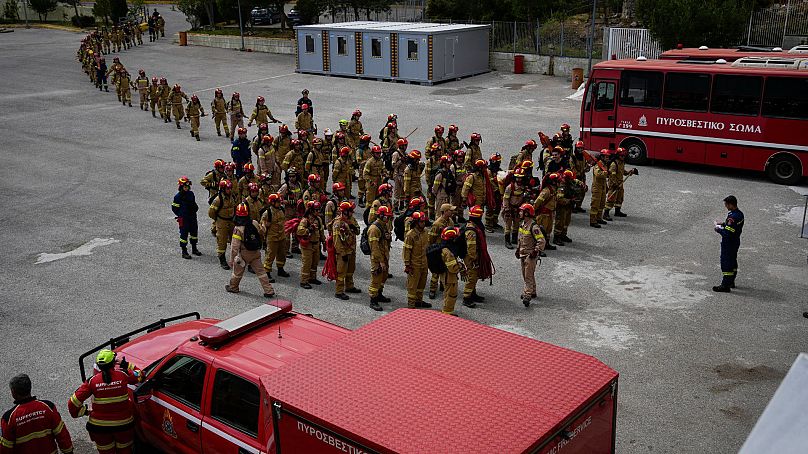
(150, 347)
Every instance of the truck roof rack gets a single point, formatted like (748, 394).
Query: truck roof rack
(116, 342)
(225, 330)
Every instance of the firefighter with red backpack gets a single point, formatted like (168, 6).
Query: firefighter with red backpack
(112, 416)
(478, 262)
(245, 250)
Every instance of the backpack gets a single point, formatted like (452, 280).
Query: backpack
(366, 215)
(388, 160)
(459, 247)
(434, 260)
(449, 182)
(364, 244)
(398, 223)
(512, 162)
(252, 239)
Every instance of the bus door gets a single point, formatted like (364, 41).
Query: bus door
(600, 116)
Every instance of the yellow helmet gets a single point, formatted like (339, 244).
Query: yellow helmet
(105, 357)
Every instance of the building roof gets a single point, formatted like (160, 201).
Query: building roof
(399, 27)
(412, 370)
(702, 66)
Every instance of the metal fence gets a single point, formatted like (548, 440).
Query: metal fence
(562, 38)
(779, 25)
(629, 43)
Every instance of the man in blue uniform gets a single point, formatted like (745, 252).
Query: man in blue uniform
(730, 231)
(241, 152)
(184, 207)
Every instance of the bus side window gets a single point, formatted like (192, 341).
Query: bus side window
(786, 97)
(605, 96)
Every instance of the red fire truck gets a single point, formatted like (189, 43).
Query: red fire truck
(272, 381)
(748, 114)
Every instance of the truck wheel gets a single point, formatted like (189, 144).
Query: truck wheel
(637, 154)
(784, 169)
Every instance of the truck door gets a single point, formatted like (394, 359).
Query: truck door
(600, 115)
(231, 424)
(171, 418)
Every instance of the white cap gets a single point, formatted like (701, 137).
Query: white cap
(328, 132)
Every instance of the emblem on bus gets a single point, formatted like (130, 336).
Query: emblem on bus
(643, 121)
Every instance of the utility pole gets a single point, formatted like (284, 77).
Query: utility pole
(240, 26)
(25, 11)
(592, 37)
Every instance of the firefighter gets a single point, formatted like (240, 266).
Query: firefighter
(333, 204)
(236, 111)
(317, 160)
(512, 200)
(343, 169)
(379, 238)
(294, 157)
(529, 246)
(412, 175)
(247, 177)
(345, 229)
(261, 113)
(383, 198)
(177, 109)
(565, 197)
(112, 417)
(615, 197)
(304, 100)
(266, 157)
(361, 156)
(390, 137)
(124, 87)
(305, 147)
(240, 152)
(255, 204)
(218, 110)
(614, 182)
(434, 155)
(492, 212)
(525, 154)
(291, 193)
(459, 172)
(475, 255)
(32, 426)
(473, 152)
(555, 161)
(142, 85)
(372, 176)
(443, 184)
(221, 211)
(154, 96)
(545, 205)
(473, 192)
(452, 141)
(313, 191)
(565, 138)
(453, 268)
(304, 121)
(245, 251)
(311, 238)
(579, 165)
(441, 222)
(598, 201)
(101, 75)
(730, 231)
(328, 153)
(354, 129)
(414, 257)
(184, 207)
(165, 95)
(273, 220)
(283, 143)
(398, 163)
(265, 187)
(193, 112)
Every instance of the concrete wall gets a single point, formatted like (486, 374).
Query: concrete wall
(540, 64)
(271, 45)
(61, 13)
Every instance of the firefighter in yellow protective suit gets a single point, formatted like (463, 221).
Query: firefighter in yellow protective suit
(236, 111)
(473, 152)
(379, 238)
(245, 251)
(545, 205)
(154, 96)
(345, 229)
(261, 113)
(443, 221)
(273, 219)
(311, 237)
(414, 256)
(343, 169)
(529, 245)
(193, 112)
(221, 211)
(177, 107)
(598, 202)
(372, 174)
(218, 110)
(124, 87)
(355, 130)
(453, 268)
(142, 86)
(617, 173)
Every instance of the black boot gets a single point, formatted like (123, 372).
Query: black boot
(468, 302)
(550, 247)
(477, 298)
(508, 243)
(185, 254)
(223, 262)
(374, 304)
(594, 224)
(282, 272)
(565, 238)
(194, 250)
(602, 222)
(270, 278)
(721, 289)
(606, 215)
(557, 240)
(382, 299)
(619, 213)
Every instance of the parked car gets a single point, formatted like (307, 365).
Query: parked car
(294, 18)
(264, 16)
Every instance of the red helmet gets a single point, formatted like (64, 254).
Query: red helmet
(225, 184)
(553, 177)
(357, 113)
(304, 106)
(496, 157)
(177, 87)
(162, 79)
(312, 205)
(419, 216)
(531, 144)
(273, 198)
(622, 152)
(219, 92)
(242, 210)
(438, 129)
(579, 144)
(283, 129)
(384, 210)
(392, 117)
(248, 167)
(317, 141)
(236, 95)
(183, 181)
(519, 172)
(296, 142)
(385, 187)
(435, 146)
(569, 174)
(480, 163)
(565, 127)
(459, 154)
(302, 133)
(338, 186)
(605, 152)
(376, 149)
(242, 131)
(391, 125)
(267, 139)
(414, 154)
(364, 138)
(416, 202)
(339, 135)
(526, 164)
(346, 207)
(476, 136)
(344, 151)
(194, 98)
(218, 164)
(446, 159)
(141, 72)
(314, 178)
(230, 166)
(528, 208)
(402, 142)
(449, 233)
(263, 177)
(153, 79)
(263, 127)
(476, 211)
(252, 187)
(260, 100)
(453, 128)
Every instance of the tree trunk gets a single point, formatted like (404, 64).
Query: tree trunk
(356, 12)
(209, 9)
(76, 8)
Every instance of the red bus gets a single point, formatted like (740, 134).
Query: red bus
(751, 114)
(707, 54)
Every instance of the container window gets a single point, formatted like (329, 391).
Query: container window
(376, 47)
(412, 49)
(235, 402)
(342, 45)
(687, 91)
(183, 378)
(739, 95)
(786, 97)
(309, 44)
(641, 89)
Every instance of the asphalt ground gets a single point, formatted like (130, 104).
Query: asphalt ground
(84, 174)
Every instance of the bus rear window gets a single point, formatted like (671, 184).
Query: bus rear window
(687, 91)
(641, 89)
(739, 95)
(786, 97)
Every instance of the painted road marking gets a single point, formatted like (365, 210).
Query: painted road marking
(83, 250)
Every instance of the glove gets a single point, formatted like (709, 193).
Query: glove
(408, 269)
(516, 253)
(124, 364)
(180, 221)
(636, 172)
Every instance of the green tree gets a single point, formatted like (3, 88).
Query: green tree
(310, 10)
(42, 8)
(102, 9)
(693, 23)
(118, 9)
(10, 10)
(193, 10)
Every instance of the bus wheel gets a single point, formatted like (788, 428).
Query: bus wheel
(636, 152)
(784, 169)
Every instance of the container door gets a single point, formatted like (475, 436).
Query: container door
(343, 50)
(449, 56)
(376, 47)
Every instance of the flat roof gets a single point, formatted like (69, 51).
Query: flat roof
(412, 369)
(401, 27)
(686, 66)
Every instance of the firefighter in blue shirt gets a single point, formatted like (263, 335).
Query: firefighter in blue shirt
(730, 231)
(185, 208)
(241, 152)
